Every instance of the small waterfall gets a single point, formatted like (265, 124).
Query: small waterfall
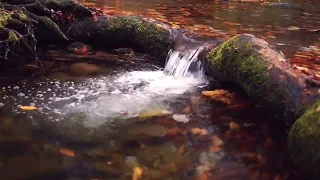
(184, 63)
(183, 59)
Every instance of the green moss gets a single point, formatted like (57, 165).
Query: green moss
(149, 36)
(154, 38)
(12, 37)
(304, 142)
(5, 16)
(22, 16)
(237, 60)
(125, 22)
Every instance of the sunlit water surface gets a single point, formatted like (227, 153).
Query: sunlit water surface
(286, 24)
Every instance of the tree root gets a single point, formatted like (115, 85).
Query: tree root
(24, 23)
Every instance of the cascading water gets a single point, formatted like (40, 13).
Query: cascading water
(183, 59)
(124, 94)
(179, 65)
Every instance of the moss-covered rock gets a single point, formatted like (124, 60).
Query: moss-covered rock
(304, 142)
(142, 34)
(262, 72)
(5, 16)
(238, 59)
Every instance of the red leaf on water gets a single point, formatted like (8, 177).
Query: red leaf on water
(95, 18)
(67, 152)
(59, 13)
(85, 49)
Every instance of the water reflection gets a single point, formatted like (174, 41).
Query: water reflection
(286, 24)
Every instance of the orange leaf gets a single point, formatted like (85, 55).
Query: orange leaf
(217, 141)
(199, 132)
(174, 131)
(220, 95)
(181, 150)
(232, 23)
(32, 66)
(137, 173)
(234, 126)
(215, 149)
(187, 110)
(28, 108)
(277, 177)
(67, 152)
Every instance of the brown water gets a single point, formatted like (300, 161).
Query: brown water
(133, 117)
(284, 23)
(291, 26)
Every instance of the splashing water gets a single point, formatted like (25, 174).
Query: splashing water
(184, 65)
(183, 60)
(104, 98)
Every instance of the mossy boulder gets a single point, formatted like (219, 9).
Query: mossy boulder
(262, 73)
(304, 142)
(142, 34)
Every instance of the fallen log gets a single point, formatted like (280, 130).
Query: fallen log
(264, 74)
(146, 35)
(272, 83)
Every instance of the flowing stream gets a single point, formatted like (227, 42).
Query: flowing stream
(103, 127)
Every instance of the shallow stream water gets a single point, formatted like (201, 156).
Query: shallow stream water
(150, 118)
(138, 116)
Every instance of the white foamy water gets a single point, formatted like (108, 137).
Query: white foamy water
(105, 98)
(102, 99)
(130, 93)
(179, 64)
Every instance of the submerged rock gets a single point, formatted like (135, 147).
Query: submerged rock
(304, 138)
(29, 167)
(142, 131)
(148, 35)
(83, 69)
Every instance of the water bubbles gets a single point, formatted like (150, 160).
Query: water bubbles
(21, 94)
(104, 98)
(16, 87)
(1, 104)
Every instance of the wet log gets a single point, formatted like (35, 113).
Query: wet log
(143, 34)
(67, 21)
(270, 81)
(265, 75)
